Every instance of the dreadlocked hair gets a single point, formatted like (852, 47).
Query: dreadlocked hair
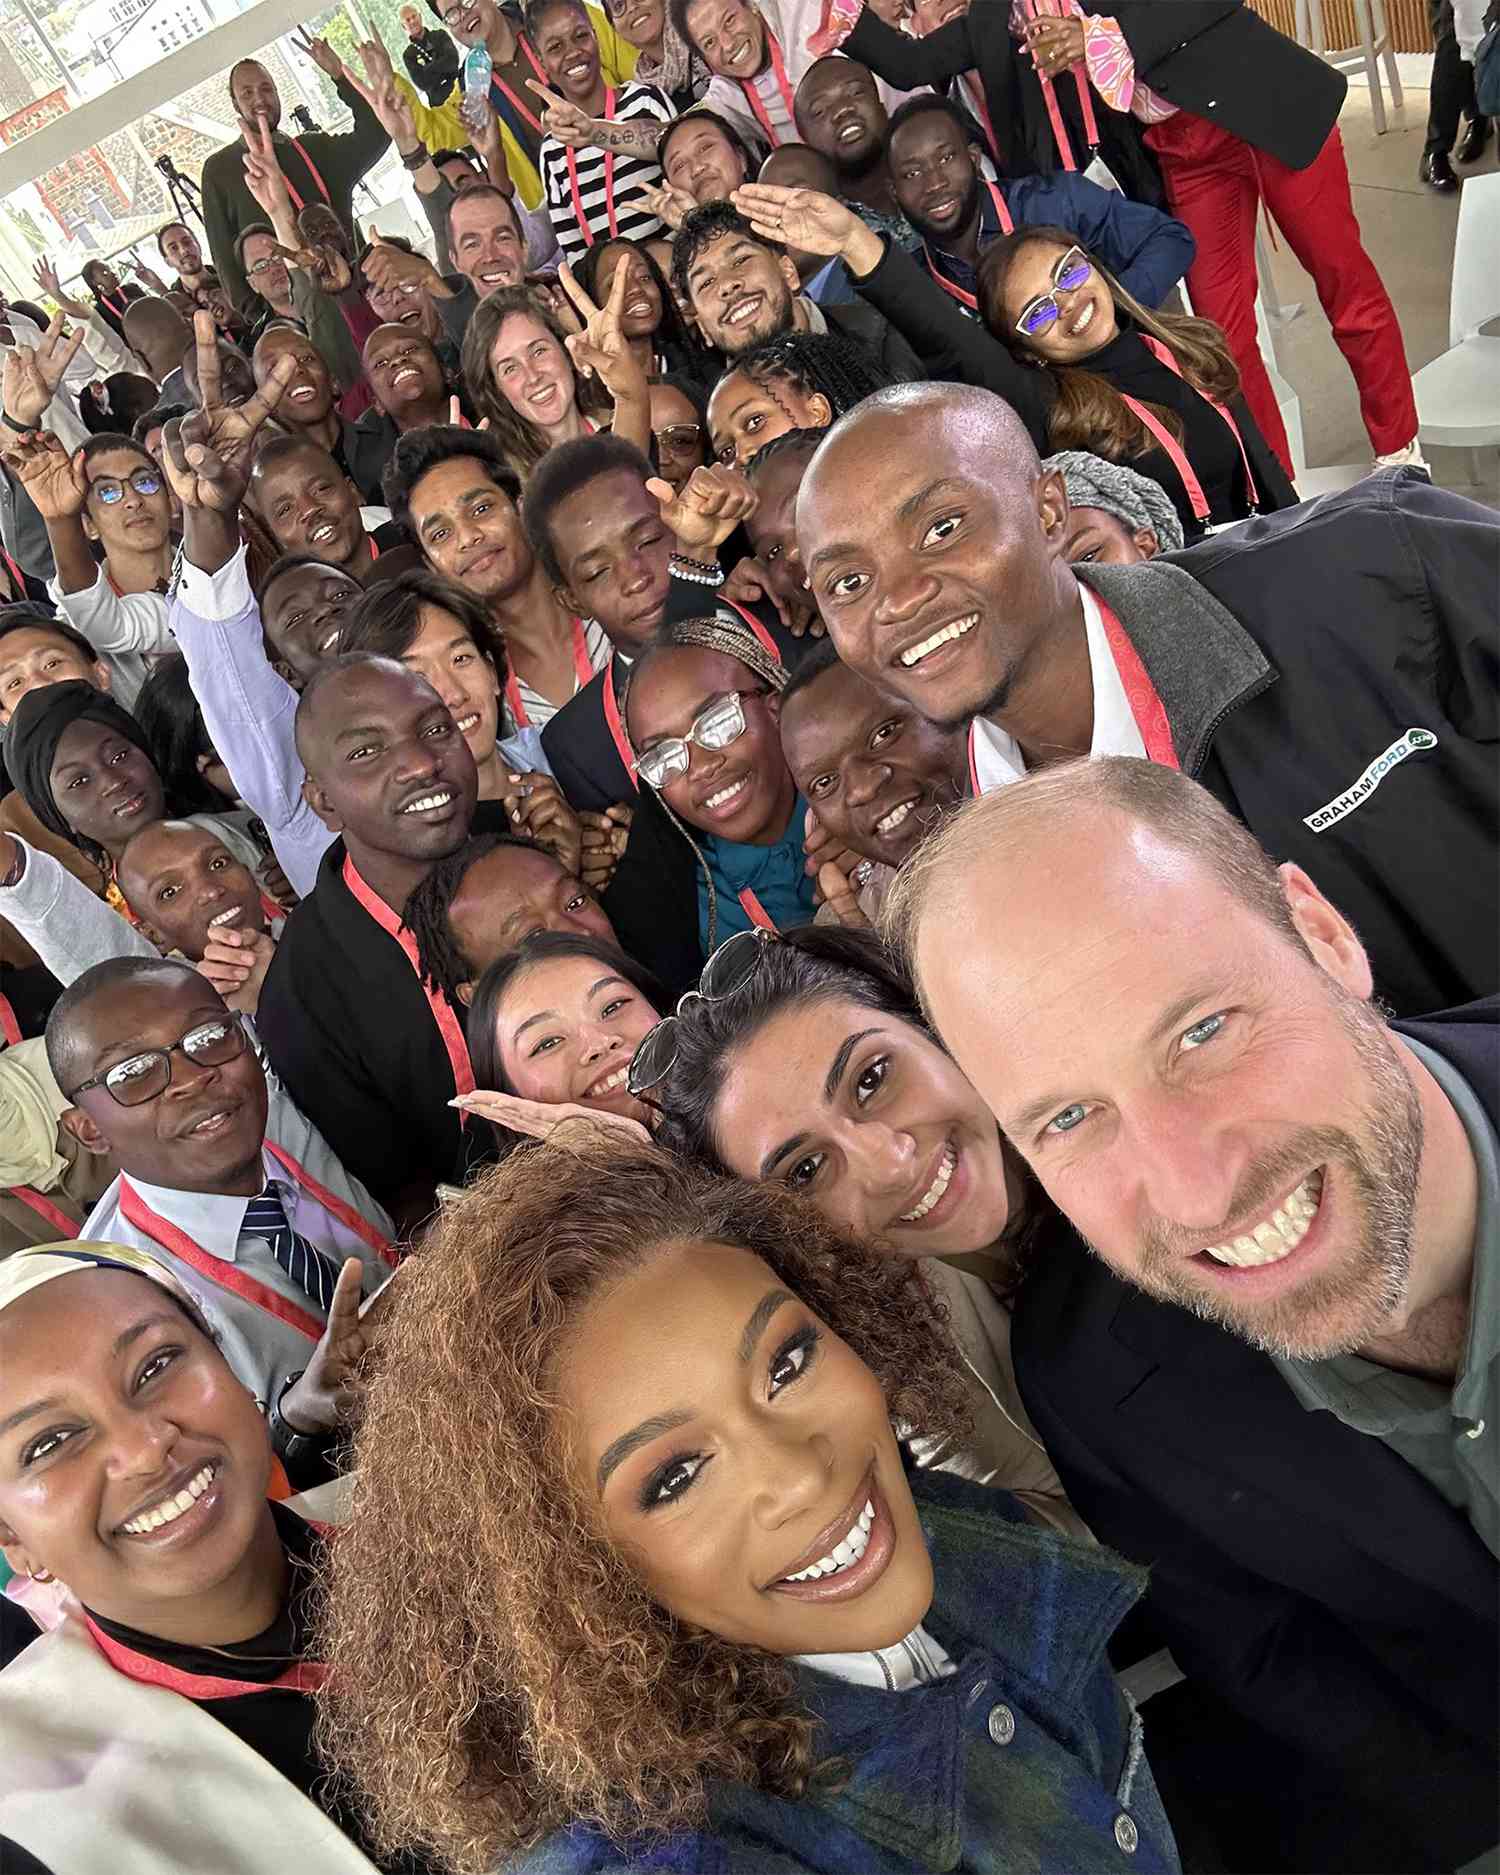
(440, 957)
(540, 1685)
(1089, 413)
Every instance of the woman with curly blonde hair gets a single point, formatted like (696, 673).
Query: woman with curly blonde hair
(635, 1568)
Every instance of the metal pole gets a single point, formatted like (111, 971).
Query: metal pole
(52, 52)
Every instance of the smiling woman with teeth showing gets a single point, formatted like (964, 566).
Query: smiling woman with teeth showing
(691, 1538)
(134, 1480)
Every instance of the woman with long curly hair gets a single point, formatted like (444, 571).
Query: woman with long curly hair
(665, 1588)
(1083, 363)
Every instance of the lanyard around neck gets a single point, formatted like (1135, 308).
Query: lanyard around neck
(583, 670)
(1146, 706)
(951, 287)
(46, 1210)
(616, 728)
(448, 1026)
(753, 97)
(303, 1676)
(571, 158)
(1173, 450)
(511, 97)
(312, 168)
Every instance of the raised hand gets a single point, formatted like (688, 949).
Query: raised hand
(46, 278)
(320, 52)
(33, 372)
(749, 580)
(669, 205)
(707, 509)
(1054, 44)
(52, 478)
(537, 809)
(263, 177)
(393, 270)
(605, 837)
(568, 122)
(601, 350)
(236, 962)
(206, 455)
(839, 892)
(379, 89)
(320, 1399)
(541, 1119)
(801, 218)
(484, 133)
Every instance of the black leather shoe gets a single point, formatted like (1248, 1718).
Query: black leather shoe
(1471, 144)
(1437, 173)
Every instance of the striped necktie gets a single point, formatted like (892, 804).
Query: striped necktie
(314, 1273)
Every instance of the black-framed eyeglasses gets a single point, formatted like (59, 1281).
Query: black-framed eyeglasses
(720, 724)
(142, 1077)
(109, 490)
(1042, 313)
(727, 972)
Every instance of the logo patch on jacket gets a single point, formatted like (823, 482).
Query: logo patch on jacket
(1414, 742)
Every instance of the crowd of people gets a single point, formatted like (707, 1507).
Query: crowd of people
(762, 998)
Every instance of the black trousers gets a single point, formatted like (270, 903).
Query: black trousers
(1452, 94)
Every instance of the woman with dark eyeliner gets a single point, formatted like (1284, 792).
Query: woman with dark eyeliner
(692, 1609)
(1084, 364)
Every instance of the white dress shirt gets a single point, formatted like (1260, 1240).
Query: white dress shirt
(997, 755)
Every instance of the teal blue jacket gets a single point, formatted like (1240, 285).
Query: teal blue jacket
(1027, 1761)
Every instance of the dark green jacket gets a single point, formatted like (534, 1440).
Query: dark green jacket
(340, 159)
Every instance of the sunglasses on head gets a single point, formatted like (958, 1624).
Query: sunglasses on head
(1042, 313)
(727, 972)
(720, 724)
(109, 491)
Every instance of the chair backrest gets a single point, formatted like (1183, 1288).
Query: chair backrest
(1474, 297)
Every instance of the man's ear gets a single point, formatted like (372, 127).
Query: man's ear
(566, 598)
(788, 273)
(320, 804)
(80, 1125)
(1052, 508)
(821, 411)
(1145, 539)
(1326, 932)
(465, 993)
(104, 678)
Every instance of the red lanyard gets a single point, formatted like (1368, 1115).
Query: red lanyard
(767, 642)
(1146, 707)
(951, 287)
(10, 1026)
(499, 84)
(755, 911)
(974, 92)
(1173, 449)
(304, 1676)
(1049, 93)
(582, 666)
(110, 306)
(45, 1209)
(442, 1012)
(228, 1275)
(609, 184)
(17, 577)
(753, 99)
(615, 727)
(313, 171)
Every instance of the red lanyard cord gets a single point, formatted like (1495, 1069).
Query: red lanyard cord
(1049, 94)
(1173, 450)
(583, 670)
(570, 156)
(753, 98)
(951, 287)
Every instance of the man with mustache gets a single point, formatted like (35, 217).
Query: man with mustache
(1277, 1379)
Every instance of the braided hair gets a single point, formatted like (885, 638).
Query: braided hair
(844, 371)
(440, 956)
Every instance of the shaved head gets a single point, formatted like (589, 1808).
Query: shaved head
(83, 1011)
(934, 545)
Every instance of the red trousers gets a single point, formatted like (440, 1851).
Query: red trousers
(1215, 183)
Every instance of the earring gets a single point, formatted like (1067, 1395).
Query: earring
(42, 1575)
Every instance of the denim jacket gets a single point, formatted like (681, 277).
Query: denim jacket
(1027, 1761)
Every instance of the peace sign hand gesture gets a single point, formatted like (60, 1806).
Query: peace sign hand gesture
(569, 123)
(206, 455)
(320, 52)
(601, 350)
(319, 1400)
(53, 479)
(33, 372)
(263, 177)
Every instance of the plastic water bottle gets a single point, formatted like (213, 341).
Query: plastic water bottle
(478, 67)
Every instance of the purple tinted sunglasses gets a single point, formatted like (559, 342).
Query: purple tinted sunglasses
(1042, 313)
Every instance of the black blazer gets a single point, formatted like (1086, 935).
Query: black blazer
(1222, 61)
(1304, 1574)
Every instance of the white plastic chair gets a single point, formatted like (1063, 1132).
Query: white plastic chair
(1374, 44)
(1458, 394)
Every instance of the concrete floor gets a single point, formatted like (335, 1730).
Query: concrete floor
(1409, 233)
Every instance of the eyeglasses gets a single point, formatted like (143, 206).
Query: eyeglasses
(454, 15)
(726, 973)
(679, 436)
(142, 1077)
(1042, 313)
(259, 266)
(109, 491)
(720, 724)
